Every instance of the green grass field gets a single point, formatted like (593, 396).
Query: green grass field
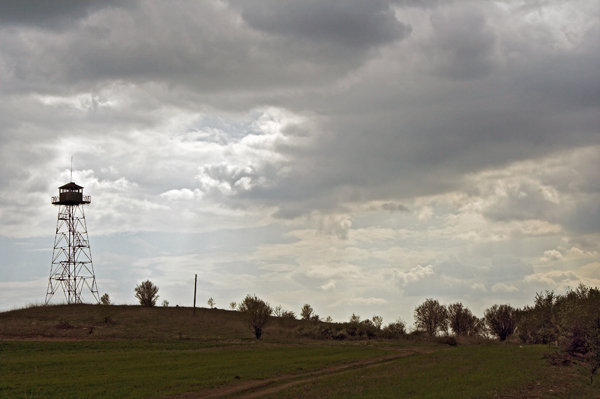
(482, 371)
(140, 369)
(67, 351)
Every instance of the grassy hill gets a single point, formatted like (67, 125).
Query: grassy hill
(70, 351)
(133, 322)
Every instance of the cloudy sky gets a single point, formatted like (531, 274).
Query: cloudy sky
(357, 156)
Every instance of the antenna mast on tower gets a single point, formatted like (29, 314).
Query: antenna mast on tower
(72, 266)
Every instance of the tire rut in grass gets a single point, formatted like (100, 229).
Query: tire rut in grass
(256, 389)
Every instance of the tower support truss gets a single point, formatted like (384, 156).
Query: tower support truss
(72, 268)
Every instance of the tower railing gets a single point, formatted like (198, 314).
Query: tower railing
(87, 199)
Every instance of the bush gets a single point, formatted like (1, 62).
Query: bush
(417, 334)
(340, 335)
(593, 346)
(257, 312)
(146, 293)
(538, 324)
(395, 330)
(288, 314)
(337, 331)
(357, 328)
(448, 340)
(577, 342)
(316, 331)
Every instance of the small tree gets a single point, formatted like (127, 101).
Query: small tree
(328, 319)
(431, 317)
(500, 320)
(146, 293)
(354, 319)
(105, 300)
(232, 305)
(165, 303)
(257, 312)
(461, 320)
(107, 310)
(278, 311)
(307, 312)
(211, 302)
(377, 321)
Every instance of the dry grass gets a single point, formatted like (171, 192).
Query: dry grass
(136, 322)
(130, 322)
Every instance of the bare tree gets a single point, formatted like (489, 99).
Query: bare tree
(355, 319)
(257, 312)
(146, 293)
(377, 321)
(501, 320)
(211, 302)
(232, 305)
(278, 311)
(431, 317)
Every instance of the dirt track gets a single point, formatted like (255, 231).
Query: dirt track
(259, 388)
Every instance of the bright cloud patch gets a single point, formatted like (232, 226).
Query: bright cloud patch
(415, 274)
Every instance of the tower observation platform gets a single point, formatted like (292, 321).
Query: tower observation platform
(71, 194)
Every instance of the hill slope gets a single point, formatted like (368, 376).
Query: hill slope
(134, 322)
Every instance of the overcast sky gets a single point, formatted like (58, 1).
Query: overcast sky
(359, 156)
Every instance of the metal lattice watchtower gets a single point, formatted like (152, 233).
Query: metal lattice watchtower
(72, 266)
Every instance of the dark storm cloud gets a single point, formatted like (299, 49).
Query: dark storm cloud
(465, 40)
(409, 120)
(356, 24)
(50, 14)
(200, 46)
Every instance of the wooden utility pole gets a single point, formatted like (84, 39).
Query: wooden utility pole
(195, 285)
